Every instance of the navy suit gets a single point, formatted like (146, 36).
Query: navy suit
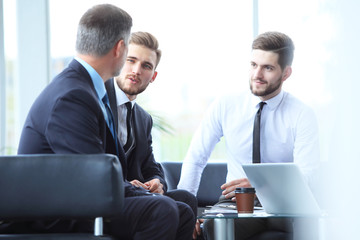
(67, 118)
(141, 163)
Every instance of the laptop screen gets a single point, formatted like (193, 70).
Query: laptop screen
(281, 189)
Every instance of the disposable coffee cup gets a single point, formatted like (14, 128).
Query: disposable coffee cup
(245, 200)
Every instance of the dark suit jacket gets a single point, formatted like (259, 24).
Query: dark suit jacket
(67, 118)
(141, 164)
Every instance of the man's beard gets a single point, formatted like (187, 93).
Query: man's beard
(131, 91)
(268, 90)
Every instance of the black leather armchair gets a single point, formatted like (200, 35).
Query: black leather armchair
(52, 186)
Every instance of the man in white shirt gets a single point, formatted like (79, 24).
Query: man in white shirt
(288, 128)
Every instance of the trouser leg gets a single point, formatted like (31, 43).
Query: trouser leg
(146, 217)
(185, 197)
(186, 222)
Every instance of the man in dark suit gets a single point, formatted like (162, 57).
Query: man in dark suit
(72, 115)
(138, 72)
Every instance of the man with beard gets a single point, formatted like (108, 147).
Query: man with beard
(135, 135)
(288, 129)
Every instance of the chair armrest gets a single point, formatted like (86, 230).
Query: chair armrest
(69, 186)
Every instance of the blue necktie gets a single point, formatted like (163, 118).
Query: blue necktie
(110, 121)
(256, 135)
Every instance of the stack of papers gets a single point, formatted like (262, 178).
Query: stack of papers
(221, 209)
(231, 209)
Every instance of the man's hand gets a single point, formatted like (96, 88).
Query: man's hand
(230, 187)
(154, 186)
(137, 183)
(197, 230)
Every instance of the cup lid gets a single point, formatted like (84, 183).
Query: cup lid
(245, 190)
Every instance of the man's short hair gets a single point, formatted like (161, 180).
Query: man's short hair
(147, 40)
(278, 43)
(100, 28)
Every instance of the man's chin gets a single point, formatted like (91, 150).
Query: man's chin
(132, 91)
(258, 92)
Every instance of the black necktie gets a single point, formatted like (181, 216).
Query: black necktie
(128, 126)
(110, 121)
(256, 135)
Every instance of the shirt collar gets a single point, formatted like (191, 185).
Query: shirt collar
(271, 103)
(95, 77)
(121, 97)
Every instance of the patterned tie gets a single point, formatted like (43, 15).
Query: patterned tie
(256, 135)
(129, 139)
(110, 121)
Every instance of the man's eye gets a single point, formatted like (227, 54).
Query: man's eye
(130, 60)
(147, 66)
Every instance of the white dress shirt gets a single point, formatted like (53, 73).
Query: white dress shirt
(288, 133)
(121, 99)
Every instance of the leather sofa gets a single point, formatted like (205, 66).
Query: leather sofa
(213, 176)
(51, 186)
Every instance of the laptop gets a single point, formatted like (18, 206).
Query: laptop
(282, 189)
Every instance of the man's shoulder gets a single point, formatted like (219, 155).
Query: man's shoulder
(138, 110)
(294, 102)
(70, 86)
(296, 107)
(74, 75)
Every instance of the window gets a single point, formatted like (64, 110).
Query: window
(205, 46)
(8, 141)
(205, 53)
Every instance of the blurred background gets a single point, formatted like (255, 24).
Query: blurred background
(206, 46)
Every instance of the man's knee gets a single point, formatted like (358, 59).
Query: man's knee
(185, 197)
(165, 208)
(186, 213)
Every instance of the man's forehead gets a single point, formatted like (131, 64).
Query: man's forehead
(139, 51)
(264, 57)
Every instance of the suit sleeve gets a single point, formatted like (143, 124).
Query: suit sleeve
(75, 123)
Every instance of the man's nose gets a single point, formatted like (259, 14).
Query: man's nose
(258, 73)
(137, 68)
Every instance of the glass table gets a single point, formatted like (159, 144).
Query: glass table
(224, 221)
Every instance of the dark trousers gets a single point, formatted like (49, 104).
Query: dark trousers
(185, 197)
(153, 217)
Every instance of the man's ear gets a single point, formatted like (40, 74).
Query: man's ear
(119, 48)
(287, 73)
(153, 77)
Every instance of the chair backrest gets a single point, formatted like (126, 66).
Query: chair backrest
(51, 186)
(213, 176)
